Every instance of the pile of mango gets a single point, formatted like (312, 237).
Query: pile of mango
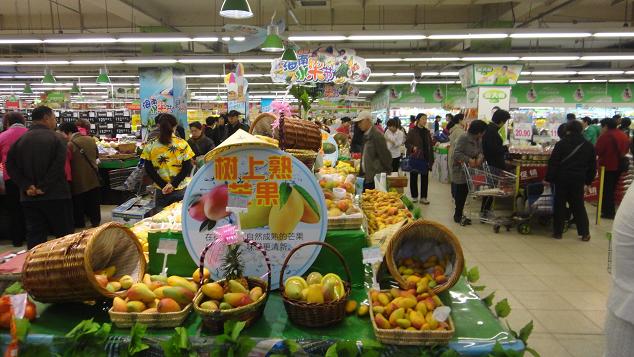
(406, 310)
(429, 273)
(155, 294)
(383, 209)
(234, 294)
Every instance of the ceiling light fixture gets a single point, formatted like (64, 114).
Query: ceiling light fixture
(150, 39)
(273, 41)
(48, 77)
(468, 36)
(253, 60)
(600, 72)
(429, 73)
(614, 34)
(485, 59)
(27, 89)
(289, 54)
(104, 61)
(385, 37)
(205, 39)
(316, 38)
(550, 35)
(449, 74)
(607, 58)
(588, 80)
(150, 61)
(204, 60)
(550, 81)
(404, 74)
(383, 59)
(75, 89)
(18, 41)
(553, 73)
(239, 38)
(38, 63)
(103, 76)
(381, 74)
(236, 9)
(431, 59)
(549, 58)
(621, 80)
(62, 40)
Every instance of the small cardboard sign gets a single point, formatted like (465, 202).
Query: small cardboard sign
(167, 246)
(371, 255)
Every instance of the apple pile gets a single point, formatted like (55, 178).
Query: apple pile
(422, 274)
(406, 310)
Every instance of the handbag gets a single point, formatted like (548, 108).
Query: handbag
(415, 163)
(624, 162)
(94, 167)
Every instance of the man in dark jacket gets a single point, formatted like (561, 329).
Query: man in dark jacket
(36, 164)
(235, 123)
(199, 142)
(571, 166)
(375, 156)
(494, 150)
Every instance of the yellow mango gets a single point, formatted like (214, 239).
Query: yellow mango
(351, 306)
(135, 306)
(213, 291)
(314, 295)
(256, 293)
(363, 310)
(397, 314)
(284, 219)
(180, 294)
(126, 281)
(182, 282)
(119, 305)
(167, 305)
(140, 292)
(381, 322)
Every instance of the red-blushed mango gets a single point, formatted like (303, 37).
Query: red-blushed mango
(181, 295)
(167, 305)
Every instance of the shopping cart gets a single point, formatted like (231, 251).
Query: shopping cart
(491, 182)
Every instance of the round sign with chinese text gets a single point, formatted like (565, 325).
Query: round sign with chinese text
(282, 206)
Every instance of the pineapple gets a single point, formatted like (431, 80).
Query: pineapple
(232, 267)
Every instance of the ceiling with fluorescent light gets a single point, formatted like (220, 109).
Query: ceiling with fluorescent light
(430, 38)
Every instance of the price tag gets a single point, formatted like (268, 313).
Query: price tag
(167, 246)
(522, 131)
(371, 255)
(91, 114)
(109, 114)
(552, 130)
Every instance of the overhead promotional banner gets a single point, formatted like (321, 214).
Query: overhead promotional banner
(321, 65)
(449, 96)
(482, 74)
(573, 93)
(162, 90)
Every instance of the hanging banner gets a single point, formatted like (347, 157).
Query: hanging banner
(286, 207)
(162, 90)
(481, 74)
(573, 93)
(321, 65)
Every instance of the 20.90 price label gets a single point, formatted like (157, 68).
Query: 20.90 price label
(522, 131)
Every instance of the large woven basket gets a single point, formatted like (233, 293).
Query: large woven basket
(299, 134)
(421, 239)
(305, 156)
(214, 320)
(156, 320)
(316, 315)
(415, 338)
(262, 125)
(63, 270)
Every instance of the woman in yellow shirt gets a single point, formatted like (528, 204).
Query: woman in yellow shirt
(168, 161)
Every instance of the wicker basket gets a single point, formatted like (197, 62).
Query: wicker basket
(315, 315)
(345, 223)
(420, 238)
(299, 134)
(262, 125)
(214, 320)
(63, 270)
(308, 157)
(411, 338)
(156, 320)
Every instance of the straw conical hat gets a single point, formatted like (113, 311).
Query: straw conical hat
(239, 138)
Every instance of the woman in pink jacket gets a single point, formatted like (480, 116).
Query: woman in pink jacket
(13, 122)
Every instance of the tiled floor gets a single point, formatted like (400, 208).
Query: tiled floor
(561, 285)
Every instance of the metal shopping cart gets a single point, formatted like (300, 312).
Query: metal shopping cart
(491, 182)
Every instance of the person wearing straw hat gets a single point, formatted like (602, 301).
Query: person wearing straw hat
(375, 156)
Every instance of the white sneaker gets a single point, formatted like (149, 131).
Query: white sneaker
(424, 201)
(415, 200)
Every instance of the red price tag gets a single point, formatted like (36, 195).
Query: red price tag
(522, 131)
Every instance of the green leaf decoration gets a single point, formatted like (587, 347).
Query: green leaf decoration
(308, 198)
(511, 331)
(526, 331)
(417, 213)
(22, 327)
(332, 351)
(237, 328)
(502, 308)
(292, 346)
(498, 350)
(532, 352)
(88, 338)
(137, 332)
(285, 192)
(473, 275)
(178, 344)
(30, 350)
(245, 345)
(13, 289)
(450, 353)
(478, 287)
(488, 300)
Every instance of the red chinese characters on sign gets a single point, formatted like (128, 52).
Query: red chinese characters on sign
(280, 168)
(253, 163)
(267, 194)
(241, 188)
(532, 173)
(226, 168)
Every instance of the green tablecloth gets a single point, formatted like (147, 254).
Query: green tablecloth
(349, 243)
(118, 164)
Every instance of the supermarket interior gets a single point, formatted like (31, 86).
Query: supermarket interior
(316, 178)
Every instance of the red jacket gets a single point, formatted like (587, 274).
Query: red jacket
(607, 146)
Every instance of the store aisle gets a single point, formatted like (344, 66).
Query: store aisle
(561, 285)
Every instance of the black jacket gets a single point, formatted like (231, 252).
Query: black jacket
(231, 129)
(201, 146)
(219, 134)
(493, 147)
(580, 167)
(38, 158)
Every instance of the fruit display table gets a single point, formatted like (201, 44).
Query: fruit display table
(477, 329)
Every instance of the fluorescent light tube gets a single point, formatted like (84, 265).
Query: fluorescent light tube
(431, 59)
(484, 59)
(553, 73)
(96, 62)
(150, 61)
(316, 38)
(608, 72)
(385, 37)
(551, 35)
(549, 58)
(468, 36)
(383, 59)
(204, 60)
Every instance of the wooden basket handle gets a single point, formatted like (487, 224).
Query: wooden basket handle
(258, 246)
(323, 244)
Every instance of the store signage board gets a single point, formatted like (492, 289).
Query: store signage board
(322, 65)
(285, 208)
(162, 90)
(487, 74)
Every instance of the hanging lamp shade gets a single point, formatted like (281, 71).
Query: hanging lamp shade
(75, 89)
(273, 41)
(48, 77)
(236, 9)
(103, 76)
(289, 54)
(27, 89)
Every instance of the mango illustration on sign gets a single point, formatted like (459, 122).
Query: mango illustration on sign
(494, 95)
